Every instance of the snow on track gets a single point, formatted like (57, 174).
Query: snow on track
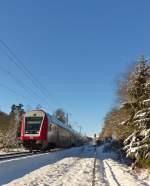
(75, 167)
(119, 175)
(18, 167)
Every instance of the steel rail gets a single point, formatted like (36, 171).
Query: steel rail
(24, 154)
(94, 167)
(15, 155)
(12, 153)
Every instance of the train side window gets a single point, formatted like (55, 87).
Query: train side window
(50, 127)
(53, 128)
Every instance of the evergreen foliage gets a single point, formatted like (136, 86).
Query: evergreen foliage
(130, 121)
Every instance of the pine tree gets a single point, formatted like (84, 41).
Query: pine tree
(137, 145)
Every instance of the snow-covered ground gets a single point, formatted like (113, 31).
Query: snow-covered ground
(71, 167)
(10, 151)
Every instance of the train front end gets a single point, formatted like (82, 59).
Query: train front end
(34, 130)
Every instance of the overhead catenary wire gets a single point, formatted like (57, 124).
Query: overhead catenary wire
(20, 65)
(14, 92)
(11, 58)
(21, 84)
(44, 92)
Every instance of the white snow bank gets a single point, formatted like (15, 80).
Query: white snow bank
(13, 169)
(11, 151)
(146, 100)
(76, 169)
(121, 175)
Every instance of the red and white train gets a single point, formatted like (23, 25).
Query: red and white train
(41, 131)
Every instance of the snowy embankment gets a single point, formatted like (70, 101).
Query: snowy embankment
(13, 169)
(71, 167)
(11, 151)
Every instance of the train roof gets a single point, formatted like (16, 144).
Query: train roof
(52, 118)
(33, 113)
(61, 124)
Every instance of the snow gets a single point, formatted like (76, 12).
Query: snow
(140, 115)
(144, 174)
(142, 120)
(71, 167)
(146, 100)
(25, 165)
(124, 122)
(119, 174)
(143, 110)
(11, 151)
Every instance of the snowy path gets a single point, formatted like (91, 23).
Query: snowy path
(75, 167)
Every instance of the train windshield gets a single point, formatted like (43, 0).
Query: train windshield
(33, 124)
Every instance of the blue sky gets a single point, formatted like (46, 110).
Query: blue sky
(77, 49)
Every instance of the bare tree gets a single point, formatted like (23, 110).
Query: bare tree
(60, 115)
(13, 132)
(39, 106)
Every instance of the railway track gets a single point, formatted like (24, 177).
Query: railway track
(83, 164)
(94, 168)
(24, 154)
(88, 166)
(14, 155)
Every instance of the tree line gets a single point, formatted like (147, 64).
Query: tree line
(128, 122)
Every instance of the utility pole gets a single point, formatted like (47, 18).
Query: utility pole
(67, 119)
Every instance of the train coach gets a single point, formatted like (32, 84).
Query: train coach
(41, 131)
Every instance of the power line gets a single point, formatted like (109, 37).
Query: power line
(12, 91)
(21, 82)
(26, 71)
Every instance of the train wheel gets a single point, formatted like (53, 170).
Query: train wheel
(31, 150)
(43, 150)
